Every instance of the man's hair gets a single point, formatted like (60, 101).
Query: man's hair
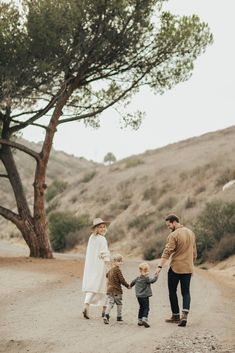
(171, 218)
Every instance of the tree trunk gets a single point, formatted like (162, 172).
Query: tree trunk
(38, 242)
(33, 229)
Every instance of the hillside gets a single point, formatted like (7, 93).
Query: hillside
(137, 192)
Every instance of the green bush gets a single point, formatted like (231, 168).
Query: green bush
(190, 202)
(55, 189)
(216, 222)
(131, 163)
(153, 250)
(168, 203)
(52, 206)
(115, 234)
(223, 249)
(63, 227)
(88, 177)
(142, 222)
(150, 194)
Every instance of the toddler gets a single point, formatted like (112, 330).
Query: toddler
(143, 292)
(114, 289)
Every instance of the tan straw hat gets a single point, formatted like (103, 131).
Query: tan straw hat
(98, 221)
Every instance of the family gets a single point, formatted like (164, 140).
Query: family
(103, 287)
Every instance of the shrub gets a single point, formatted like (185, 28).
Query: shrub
(142, 222)
(223, 249)
(216, 221)
(153, 250)
(63, 226)
(115, 234)
(169, 202)
(131, 163)
(120, 206)
(88, 177)
(225, 177)
(201, 188)
(190, 202)
(55, 189)
(74, 199)
(52, 206)
(150, 194)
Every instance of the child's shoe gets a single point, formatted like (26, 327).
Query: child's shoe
(119, 318)
(106, 319)
(145, 322)
(140, 323)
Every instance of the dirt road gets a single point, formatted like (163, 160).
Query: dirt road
(41, 305)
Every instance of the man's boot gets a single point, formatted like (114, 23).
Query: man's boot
(183, 319)
(175, 319)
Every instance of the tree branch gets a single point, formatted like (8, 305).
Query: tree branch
(10, 215)
(32, 124)
(101, 109)
(20, 147)
(4, 176)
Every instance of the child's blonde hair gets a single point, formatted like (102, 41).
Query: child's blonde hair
(117, 258)
(144, 268)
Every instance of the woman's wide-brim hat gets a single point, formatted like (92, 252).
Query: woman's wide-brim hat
(98, 221)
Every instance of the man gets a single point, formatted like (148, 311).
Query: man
(181, 246)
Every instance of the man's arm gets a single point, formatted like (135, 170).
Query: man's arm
(162, 262)
(169, 249)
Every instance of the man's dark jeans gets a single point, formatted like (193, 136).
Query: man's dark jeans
(173, 281)
(144, 307)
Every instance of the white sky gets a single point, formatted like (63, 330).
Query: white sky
(202, 104)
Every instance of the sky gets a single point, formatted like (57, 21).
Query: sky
(202, 104)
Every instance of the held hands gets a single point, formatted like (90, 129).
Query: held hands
(158, 270)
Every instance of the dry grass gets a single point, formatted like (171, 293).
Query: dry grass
(178, 178)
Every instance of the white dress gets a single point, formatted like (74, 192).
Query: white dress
(94, 276)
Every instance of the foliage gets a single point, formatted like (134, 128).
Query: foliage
(63, 227)
(56, 188)
(150, 194)
(190, 202)
(115, 234)
(216, 221)
(225, 177)
(131, 163)
(88, 177)
(142, 221)
(167, 203)
(153, 250)
(109, 158)
(223, 249)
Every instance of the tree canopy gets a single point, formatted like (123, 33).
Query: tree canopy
(103, 50)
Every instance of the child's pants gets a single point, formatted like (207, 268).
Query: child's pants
(144, 307)
(114, 299)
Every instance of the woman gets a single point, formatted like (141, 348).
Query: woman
(94, 277)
